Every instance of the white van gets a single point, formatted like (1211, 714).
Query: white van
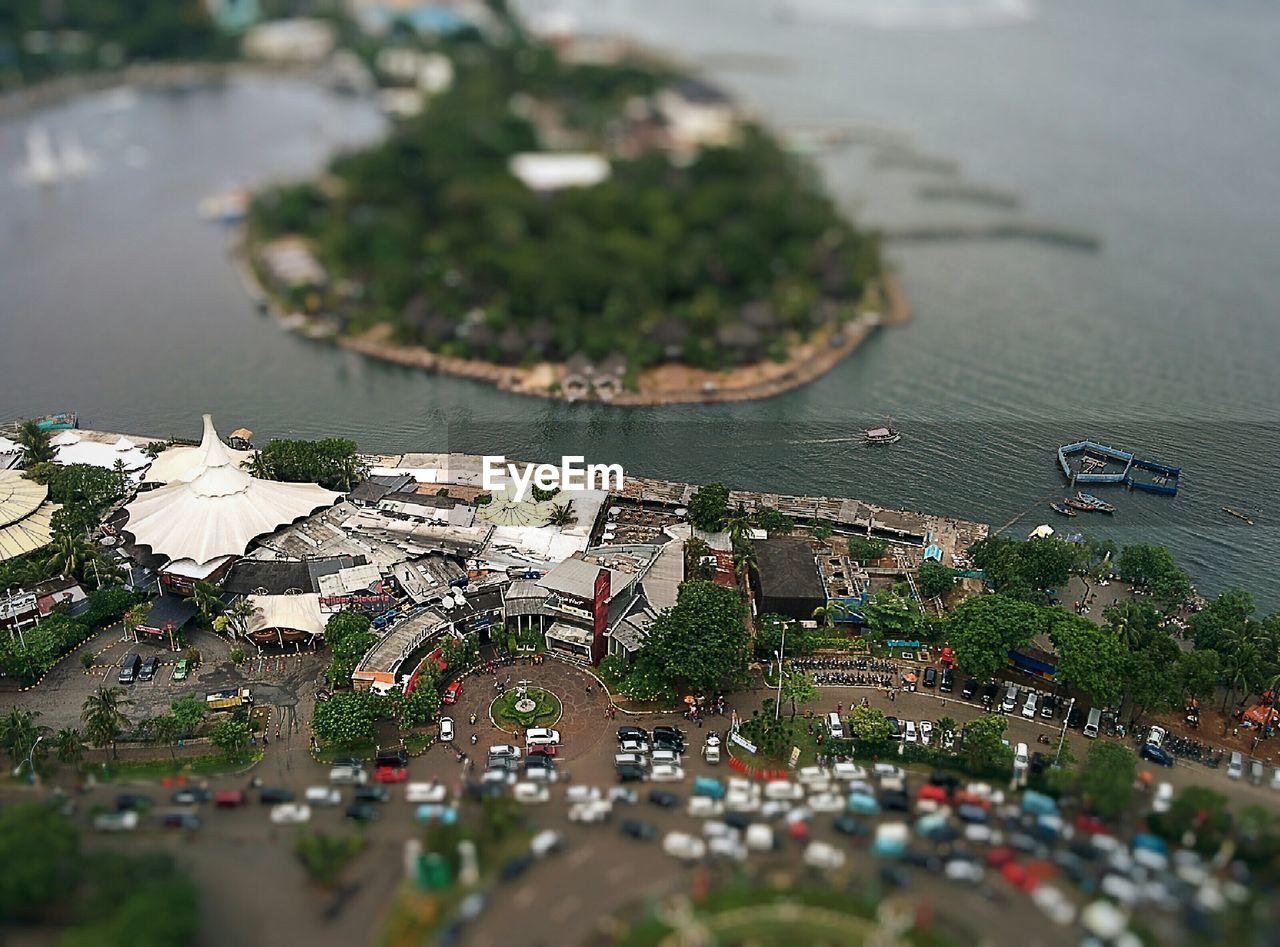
(348, 776)
(1010, 699)
(323, 796)
(1021, 759)
(834, 725)
(1091, 726)
(1029, 708)
(540, 736)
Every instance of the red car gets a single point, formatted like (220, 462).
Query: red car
(229, 798)
(390, 774)
(1000, 856)
(545, 749)
(452, 693)
(1091, 824)
(948, 658)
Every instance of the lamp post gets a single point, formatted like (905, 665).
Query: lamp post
(30, 760)
(782, 646)
(1063, 736)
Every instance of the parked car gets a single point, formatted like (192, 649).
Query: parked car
(946, 680)
(926, 731)
(1255, 772)
(629, 759)
(530, 793)
(390, 774)
(666, 773)
(504, 751)
(137, 802)
(823, 855)
(783, 789)
(125, 821)
(930, 677)
(663, 799)
(323, 796)
(632, 733)
(598, 810)
(633, 745)
(181, 820)
(362, 812)
(272, 796)
(543, 749)
(190, 795)
(669, 757)
(1029, 708)
(451, 693)
(623, 795)
(1235, 765)
(446, 729)
(1156, 735)
(705, 807)
(1157, 754)
(970, 687)
(541, 736)
(848, 771)
(348, 776)
(637, 829)
(391, 756)
(181, 670)
(683, 846)
(372, 794)
(129, 668)
(631, 773)
(672, 735)
(1010, 699)
(1048, 707)
(425, 792)
(290, 813)
(149, 669)
(229, 798)
(1162, 801)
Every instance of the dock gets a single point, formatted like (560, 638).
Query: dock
(1097, 462)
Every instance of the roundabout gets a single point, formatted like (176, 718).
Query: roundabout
(526, 707)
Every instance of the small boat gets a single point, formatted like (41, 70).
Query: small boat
(58, 422)
(1080, 505)
(1238, 515)
(882, 435)
(1062, 509)
(1098, 504)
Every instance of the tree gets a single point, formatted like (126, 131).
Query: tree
(103, 716)
(348, 636)
(18, 733)
(984, 747)
(69, 554)
(798, 687)
(1197, 673)
(1089, 657)
(709, 507)
(420, 706)
(36, 443)
(1225, 618)
(890, 615)
(208, 600)
(769, 633)
(701, 642)
(1132, 621)
(699, 561)
(1106, 778)
(231, 735)
(772, 521)
(332, 462)
(39, 850)
(562, 515)
(1200, 811)
(1047, 562)
(189, 712)
(345, 720)
(983, 631)
(133, 619)
(825, 614)
(935, 579)
(69, 746)
(1151, 681)
(168, 729)
(865, 549)
(1154, 568)
(869, 726)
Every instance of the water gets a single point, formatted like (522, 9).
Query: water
(1147, 123)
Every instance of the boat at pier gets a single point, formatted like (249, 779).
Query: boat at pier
(1095, 504)
(1062, 509)
(882, 435)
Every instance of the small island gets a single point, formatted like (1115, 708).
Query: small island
(572, 219)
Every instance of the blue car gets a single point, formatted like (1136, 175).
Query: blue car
(1156, 755)
(708, 786)
(434, 812)
(860, 803)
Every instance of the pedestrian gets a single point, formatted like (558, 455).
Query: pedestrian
(699, 723)
(264, 740)
(893, 695)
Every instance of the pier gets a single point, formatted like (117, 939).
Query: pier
(1097, 462)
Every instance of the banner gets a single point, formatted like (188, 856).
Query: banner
(745, 744)
(795, 756)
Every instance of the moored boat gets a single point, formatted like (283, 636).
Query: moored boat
(1238, 515)
(1080, 505)
(1096, 503)
(1062, 509)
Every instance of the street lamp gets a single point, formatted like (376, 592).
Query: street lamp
(1063, 736)
(782, 646)
(30, 760)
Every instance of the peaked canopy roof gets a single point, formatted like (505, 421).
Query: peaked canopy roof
(24, 515)
(183, 464)
(220, 510)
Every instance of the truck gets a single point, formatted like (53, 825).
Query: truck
(228, 699)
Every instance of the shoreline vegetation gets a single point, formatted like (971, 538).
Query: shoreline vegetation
(697, 261)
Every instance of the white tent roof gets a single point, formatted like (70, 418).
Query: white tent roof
(182, 464)
(290, 612)
(221, 510)
(98, 454)
(24, 515)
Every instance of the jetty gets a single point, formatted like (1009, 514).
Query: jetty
(1099, 463)
(971, 194)
(1045, 233)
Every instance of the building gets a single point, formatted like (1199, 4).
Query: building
(74, 448)
(25, 515)
(201, 526)
(166, 617)
(787, 578)
(286, 619)
(554, 171)
(299, 41)
(698, 115)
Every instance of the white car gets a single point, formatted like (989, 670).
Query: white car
(849, 771)
(1156, 735)
(581, 793)
(742, 799)
(1029, 708)
(1162, 801)
(783, 789)
(826, 802)
(911, 735)
(882, 770)
(348, 776)
(425, 792)
(1275, 778)
(633, 746)
(704, 807)
(598, 810)
(667, 757)
(500, 777)
(799, 814)
(1235, 765)
(961, 869)
(504, 751)
(446, 729)
(823, 855)
(629, 759)
(1055, 905)
(760, 838)
(530, 793)
(684, 846)
(775, 808)
(125, 821)
(323, 796)
(541, 736)
(926, 731)
(862, 786)
(541, 774)
(728, 846)
(623, 794)
(813, 776)
(666, 773)
(715, 828)
(979, 833)
(290, 813)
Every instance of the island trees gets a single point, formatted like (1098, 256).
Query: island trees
(700, 643)
(983, 631)
(1106, 778)
(1089, 657)
(1154, 568)
(332, 462)
(348, 637)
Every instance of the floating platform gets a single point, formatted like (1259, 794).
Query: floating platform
(1099, 463)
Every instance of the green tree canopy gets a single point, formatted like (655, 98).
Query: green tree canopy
(866, 548)
(983, 744)
(231, 734)
(1089, 657)
(1154, 568)
(798, 688)
(890, 615)
(869, 726)
(935, 579)
(984, 630)
(1106, 778)
(701, 642)
(103, 715)
(332, 462)
(38, 848)
(348, 637)
(709, 507)
(345, 720)
(799, 639)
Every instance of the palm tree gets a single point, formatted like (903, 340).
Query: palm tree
(103, 716)
(563, 516)
(239, 614)
(18, 733)
(744, 560)
(133, 618)
(206, 599)
(1239, 670)
(826, 614)
(36, 445)
(168, 729)
(260, 467)
(69, 745)
(69, 554)
(739, 526)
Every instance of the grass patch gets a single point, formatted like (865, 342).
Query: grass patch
(215, 764)
(417, 741)
(547, 709)
(324, 856)
(359, 751)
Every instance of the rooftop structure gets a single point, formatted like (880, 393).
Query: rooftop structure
(181, 464)
(790, 583)
(553, 171)
(72, 447)
(220, 510)
(24, 515)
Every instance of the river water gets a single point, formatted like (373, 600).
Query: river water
(1149, 124)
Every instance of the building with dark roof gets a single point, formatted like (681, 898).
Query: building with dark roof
(787, 578)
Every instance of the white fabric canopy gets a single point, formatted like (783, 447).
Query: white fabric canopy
(221, 510)
(183, 464)
(24, 515)
(98, 454)
(287, 612)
